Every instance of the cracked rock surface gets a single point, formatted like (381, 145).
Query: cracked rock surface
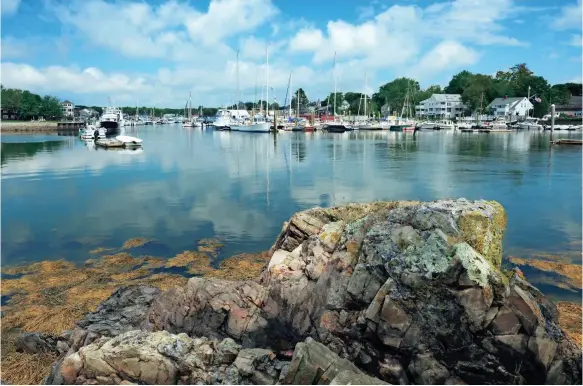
(386, 292)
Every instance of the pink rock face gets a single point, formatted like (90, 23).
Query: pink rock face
(393, 288)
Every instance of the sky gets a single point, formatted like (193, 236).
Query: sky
(158, 52)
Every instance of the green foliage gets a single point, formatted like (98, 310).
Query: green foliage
(458, 83)
(303, 98)
(26, 105)
(394, 93)
(560, 94)
(329, 101)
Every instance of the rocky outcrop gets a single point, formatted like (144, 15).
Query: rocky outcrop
(405, 292)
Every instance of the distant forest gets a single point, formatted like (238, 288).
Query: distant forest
(471, 86)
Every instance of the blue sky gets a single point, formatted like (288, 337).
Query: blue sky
(157, 52)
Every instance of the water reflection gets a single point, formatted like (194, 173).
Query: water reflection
(63, 200)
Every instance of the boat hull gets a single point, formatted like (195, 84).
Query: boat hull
(110, 127)
(337, 128)
(401, 128)
(253, 128)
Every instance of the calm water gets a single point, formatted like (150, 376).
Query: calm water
(63, 198)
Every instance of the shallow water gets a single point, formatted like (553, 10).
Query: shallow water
(61, 198)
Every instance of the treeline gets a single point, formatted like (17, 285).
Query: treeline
(25, 105)
(477, 91)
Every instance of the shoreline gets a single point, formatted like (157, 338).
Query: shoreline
(17, 127)
(312, 288)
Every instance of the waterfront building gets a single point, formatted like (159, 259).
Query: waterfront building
(571, 109)
(444, 106)
(68, 109)
(517, 107)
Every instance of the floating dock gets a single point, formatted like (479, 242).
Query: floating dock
(70, 125)
(110, 143)
(568, 142)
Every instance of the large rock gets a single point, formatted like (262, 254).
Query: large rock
(406, 291)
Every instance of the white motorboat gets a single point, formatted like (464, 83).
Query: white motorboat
(90, 132)
(258, 125)
(112, 120)
(529, 124)
(427, 125)
(223, 120)
(463, 125)
(129, 141)
(444, 124)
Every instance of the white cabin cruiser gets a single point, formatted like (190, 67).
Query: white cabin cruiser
(92, 132)
(258, 125)
(223, 120)
(529, 124)
(112, 120)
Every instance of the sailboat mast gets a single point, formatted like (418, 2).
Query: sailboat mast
(238, 98)
(298, 104)
(290, 88)
(334, 74)
(365, 87)
(267, 81)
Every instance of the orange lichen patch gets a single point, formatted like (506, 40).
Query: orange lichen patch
(245, 266)
(100, 250)
(153, 262)
(210, 246)
(570, 320)
(122, 259)
(47, 266)
(189, 259)
(22, 368)
(135, 242)
(163, 281)
(572, 272)
(130, 275)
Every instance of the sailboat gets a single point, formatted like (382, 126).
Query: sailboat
(336, 126)
(404, 124)
(258, 122)
(367, 124)
(188, 121)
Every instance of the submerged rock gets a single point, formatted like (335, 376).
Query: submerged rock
(406, 292)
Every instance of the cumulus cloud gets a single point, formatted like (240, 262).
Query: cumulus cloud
(195, 48)
(569, 17)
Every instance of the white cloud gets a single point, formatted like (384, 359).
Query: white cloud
(9, 7)
(446, 55)
(194, 49)
(569, 17)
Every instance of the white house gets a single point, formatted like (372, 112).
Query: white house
(517, 107)
(68, 109)
(441, 105)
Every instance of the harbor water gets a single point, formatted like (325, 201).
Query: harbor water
(62, 197)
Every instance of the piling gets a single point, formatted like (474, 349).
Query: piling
(552, 121)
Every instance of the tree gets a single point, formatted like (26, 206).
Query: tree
(478, 91)
(51, 107)
(394, 93)
(330, 99)
(458, 83)
(30, 105)
(303, 98)
(560, 94)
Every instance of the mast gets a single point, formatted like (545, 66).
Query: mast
(189, 105)
(267, 81)
(365, 87)
(238, 98)
(334, 74)
(298, 104)
(528, 100)
(290, 88)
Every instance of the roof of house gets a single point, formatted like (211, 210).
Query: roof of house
(574, 104)
(68, 102)
(444, 98)
(504, 101)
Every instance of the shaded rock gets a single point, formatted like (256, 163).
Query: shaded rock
(35, 342)
(409, 292)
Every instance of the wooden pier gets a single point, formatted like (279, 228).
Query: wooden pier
(568, 142)
(70, 125)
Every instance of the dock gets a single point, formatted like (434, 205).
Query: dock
(568, 142)
(70, 125)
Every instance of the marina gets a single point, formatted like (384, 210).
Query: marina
(209, 182)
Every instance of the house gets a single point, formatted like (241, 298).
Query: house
(87, 113)
(441, 105)
(572, 109)
(68, 109)
(513, 107)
